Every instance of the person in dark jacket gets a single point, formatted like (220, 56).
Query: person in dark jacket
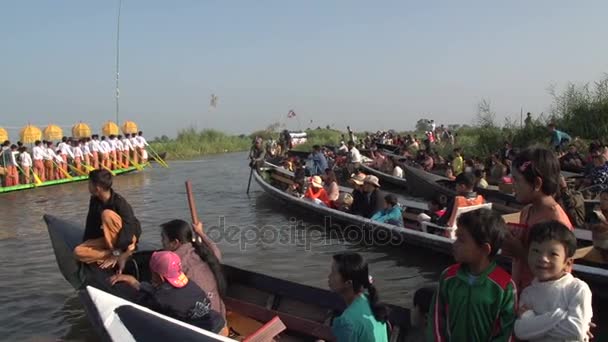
(171, 293)
(371, 200)
(112, 230)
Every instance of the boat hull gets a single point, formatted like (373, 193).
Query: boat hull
(596, 277)
(305, 310)
(74, 179)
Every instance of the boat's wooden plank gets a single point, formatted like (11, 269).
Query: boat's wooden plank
(282, 179)
(293, 323)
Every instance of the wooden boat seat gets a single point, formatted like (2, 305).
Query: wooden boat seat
(293, 323)
(281, 179)
(450, 231)
(592, 255)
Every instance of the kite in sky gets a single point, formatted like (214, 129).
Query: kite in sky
(213, 102)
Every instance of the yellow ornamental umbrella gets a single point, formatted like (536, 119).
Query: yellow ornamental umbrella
(81, 130)
(53, 132)
(3, 135)
(110, 128)
(29, 134)
(129, 127)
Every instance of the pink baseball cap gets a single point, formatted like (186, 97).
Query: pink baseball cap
(169, 266)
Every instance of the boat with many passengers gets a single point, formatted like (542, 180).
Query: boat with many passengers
(252, 299)
(43, 158)
(272, 179)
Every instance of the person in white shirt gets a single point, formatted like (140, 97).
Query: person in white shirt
(113, 152)
(127, 148)
(556, 306)
(142, 145)
(136, 150)
(398, 171)
(104, 148)
(50, 160)
(65, 151)
(78, 155)
(38, 153)
(355, 158)
(10, 159)
(96, 150)
(120, 155)
(86, 150)
(26, 164)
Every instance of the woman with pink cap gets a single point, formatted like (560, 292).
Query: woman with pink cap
(171, 293)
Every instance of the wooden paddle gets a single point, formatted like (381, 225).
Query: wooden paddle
(61, 169)
(191, 204)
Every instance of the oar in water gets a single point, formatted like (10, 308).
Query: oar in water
(139, 167)
(249, 183)
(61, 169)
(157, 157)
(37, 180)
(75, 169)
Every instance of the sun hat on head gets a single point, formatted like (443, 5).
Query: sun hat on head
(169, 266)
(316, 182)
(358, 179)
(373, 180)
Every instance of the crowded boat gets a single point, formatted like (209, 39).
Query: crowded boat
(41, 158)
(533, 274)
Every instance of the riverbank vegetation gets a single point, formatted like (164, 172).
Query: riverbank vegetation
(191, 143)
(579, 110)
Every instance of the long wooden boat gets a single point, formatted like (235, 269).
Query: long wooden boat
(386, 178)
(74, 179)
(594, 275)
(251, 298)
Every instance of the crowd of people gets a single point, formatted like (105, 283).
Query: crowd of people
(70, 156)
(539, 300)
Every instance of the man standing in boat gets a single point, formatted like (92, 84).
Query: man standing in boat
(257, 154)
(112, 230)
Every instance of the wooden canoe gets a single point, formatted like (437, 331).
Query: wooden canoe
(74, 179)
(595, 276)
(252, 298)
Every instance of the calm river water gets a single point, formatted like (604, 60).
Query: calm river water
(37, 304)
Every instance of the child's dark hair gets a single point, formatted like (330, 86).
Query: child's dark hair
(465, 178)
(423, 298)
(353, 267)
(391, 199)
(479, 173)
(553, 230)
(541, 163)
(485, 226)
(101, 178)
(180, 230)
(438, 201)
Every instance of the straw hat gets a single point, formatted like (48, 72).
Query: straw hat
(316, 182)
(372, 180)
(358, 178)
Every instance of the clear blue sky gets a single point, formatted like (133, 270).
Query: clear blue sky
(371, 64)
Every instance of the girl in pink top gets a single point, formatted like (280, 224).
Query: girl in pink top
(536, 175)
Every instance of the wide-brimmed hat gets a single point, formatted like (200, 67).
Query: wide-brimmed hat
(169, 266)
(316, 182)
(372, 180)
(358, 179)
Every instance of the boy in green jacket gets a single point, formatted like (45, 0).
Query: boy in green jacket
(476, 299)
